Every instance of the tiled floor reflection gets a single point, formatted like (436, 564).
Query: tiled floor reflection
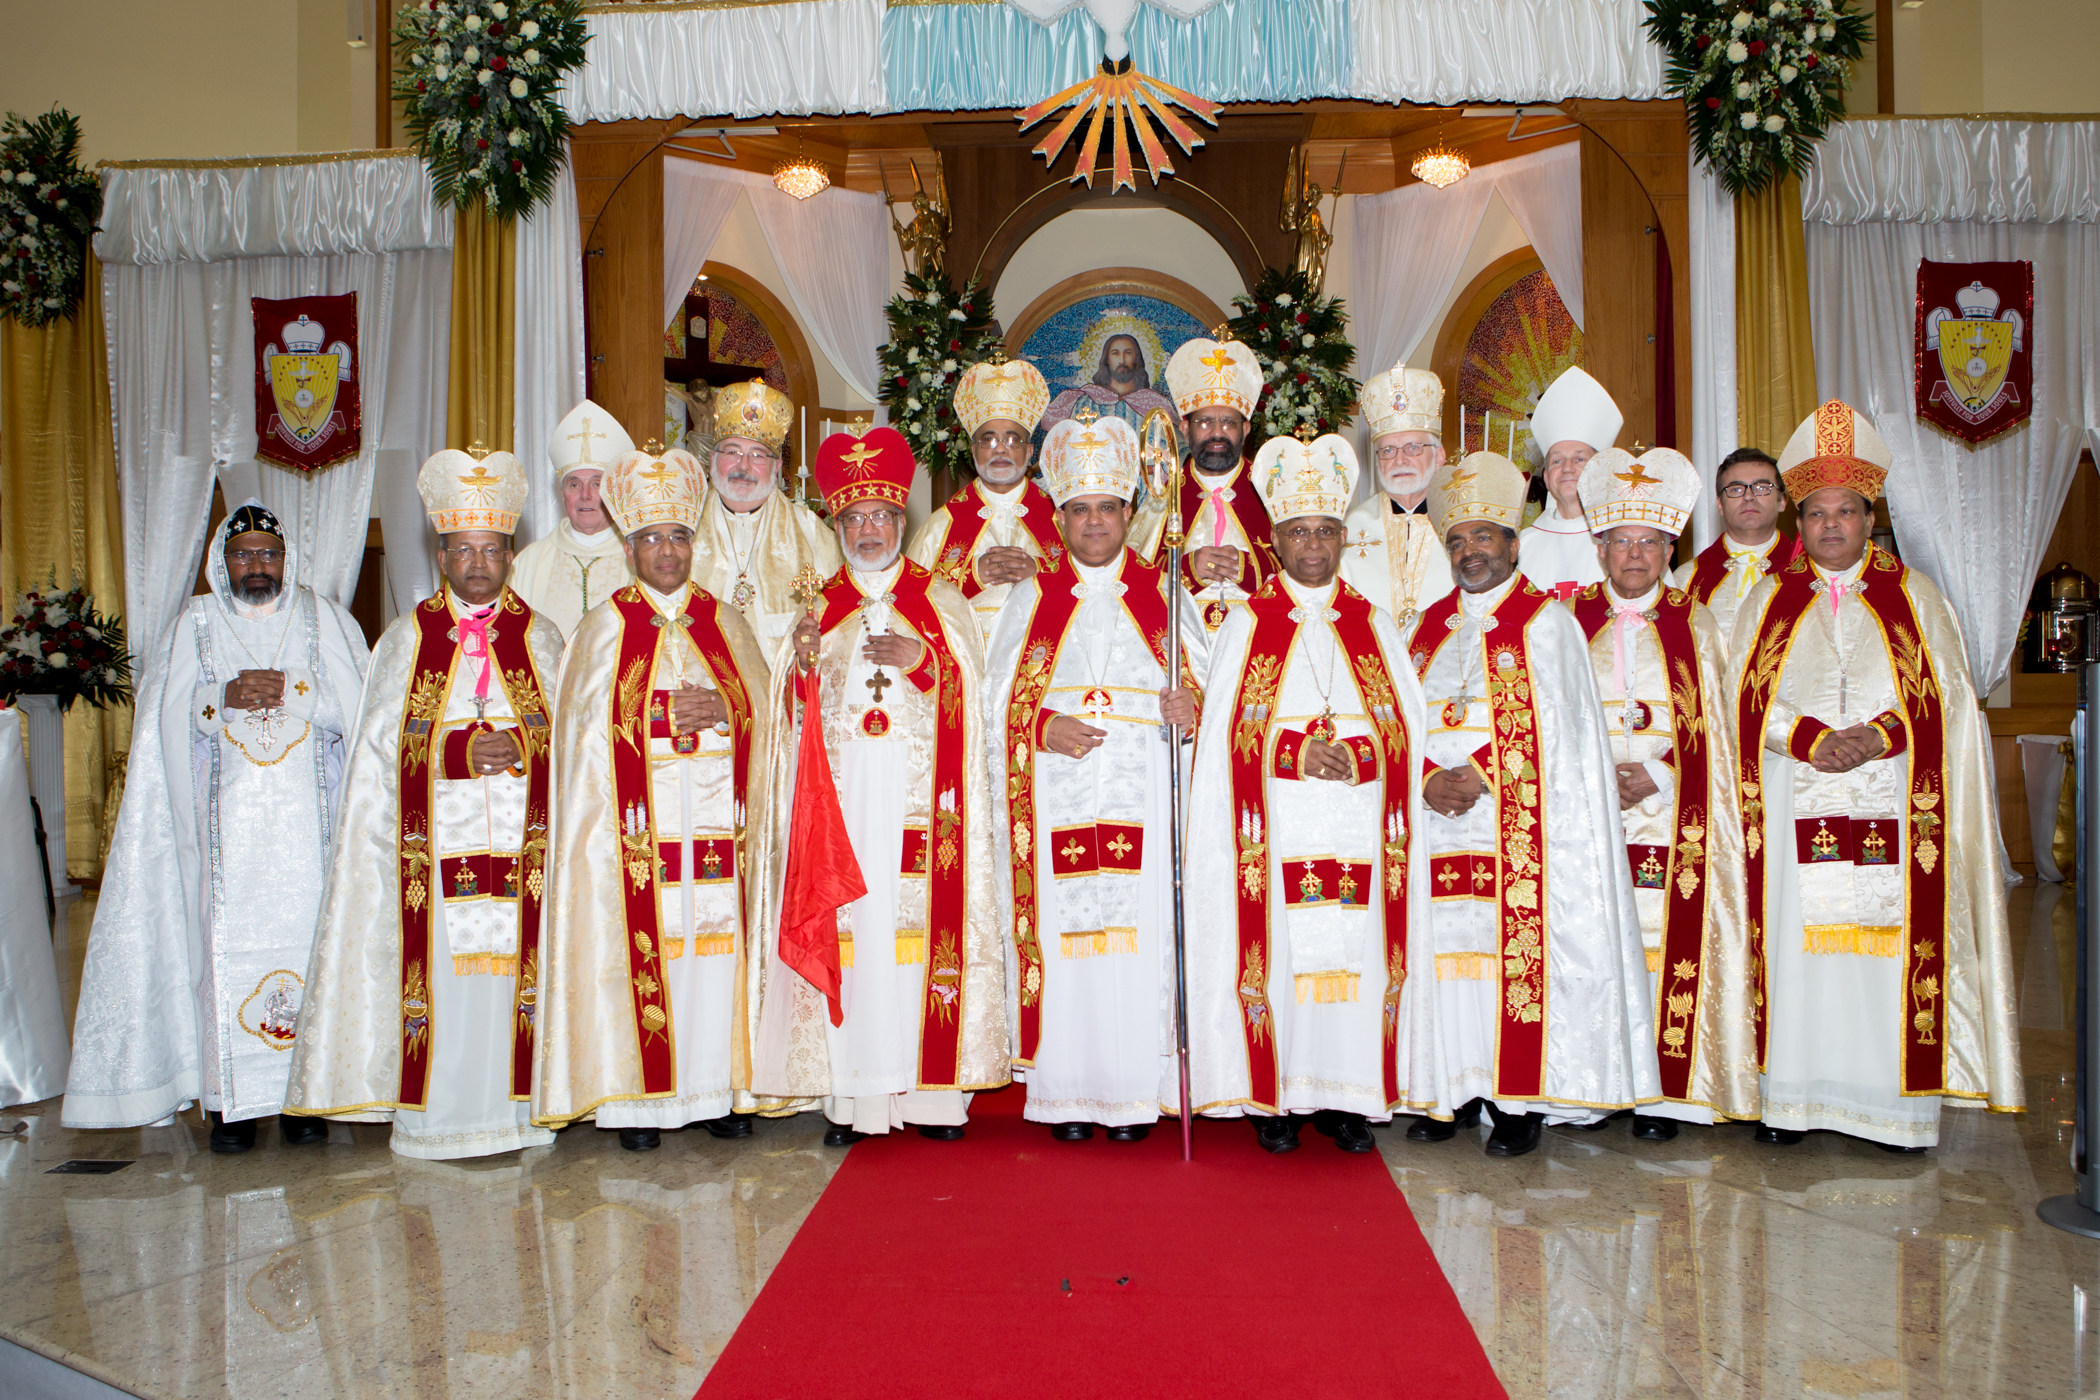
(1596, 1267)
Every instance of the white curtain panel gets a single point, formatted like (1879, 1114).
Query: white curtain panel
(1710, 282)
(1449, 52)
(744, 61)
(181, 341)
(1974, 519)
(548, 366)
(698, 200)
(1544, 192)
(1410, 244)
(833, 253)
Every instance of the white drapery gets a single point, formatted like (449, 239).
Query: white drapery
(1716, 431)
(1446, 52)
(548, 366)
(832, 251)
(745, 61)
(1974, 519)
(1412, 244)
(184, 249)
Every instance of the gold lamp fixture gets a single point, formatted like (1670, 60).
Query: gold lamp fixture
(1440, 165)
(802, 177)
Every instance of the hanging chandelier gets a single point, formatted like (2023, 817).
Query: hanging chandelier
(801, 177)
(1440, 165)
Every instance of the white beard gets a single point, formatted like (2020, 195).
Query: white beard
(854, 562)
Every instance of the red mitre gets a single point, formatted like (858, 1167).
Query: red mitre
(877, 466)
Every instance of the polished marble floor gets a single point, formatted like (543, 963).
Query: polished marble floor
(1595, 1267)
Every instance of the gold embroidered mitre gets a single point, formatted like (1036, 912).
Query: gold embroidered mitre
(463, 492)
(1012, 389)
(1834, 446)
(589, 439)
(1090, 459)
(1204, 373)
(1478, 486)
(1657, 488)
(753, 410)
(1404, 400)
(1297, 479)
(650, 488)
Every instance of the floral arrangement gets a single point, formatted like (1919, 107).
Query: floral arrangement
(58, 644)
(935, 334)
(480, 79)
(48, 209)
(1760, 82)
(1298, 339)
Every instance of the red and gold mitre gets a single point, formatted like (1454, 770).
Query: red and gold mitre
(876, 466)
(461, 491)
(1834, 446)
(1010, 389)
(753, 410)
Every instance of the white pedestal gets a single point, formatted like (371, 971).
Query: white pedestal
(47, 784)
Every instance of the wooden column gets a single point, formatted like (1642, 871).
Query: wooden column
(620, 196)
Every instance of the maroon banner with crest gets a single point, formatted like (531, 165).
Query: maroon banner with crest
(1974, 347)
(307, 412)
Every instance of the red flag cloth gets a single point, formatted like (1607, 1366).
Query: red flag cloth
(822, 874)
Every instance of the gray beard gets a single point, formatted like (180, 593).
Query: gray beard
(853, 561)
(1216, 462)
(261, 593)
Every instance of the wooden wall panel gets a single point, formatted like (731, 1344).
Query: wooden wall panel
(620, 196)
(1618, 287)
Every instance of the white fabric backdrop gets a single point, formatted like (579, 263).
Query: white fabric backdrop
(1544, 192)
(755, 60)
(1710, 282)
(548, 367)
(181, 345)
(697, 202)
(1446, 52)
(1975, 520)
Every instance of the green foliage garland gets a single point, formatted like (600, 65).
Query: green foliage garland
(48, 209)
(935, 334)
(1760, 82)
(1300, 342)
(482, 80)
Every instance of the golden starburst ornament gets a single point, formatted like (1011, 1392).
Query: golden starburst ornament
(1122, 100)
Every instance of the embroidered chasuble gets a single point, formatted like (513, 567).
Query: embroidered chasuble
(426, 969)
(922, 962)
(1395, 557)
(1307, 899)
(1558, 556)
(643, 1023)
(1215, 510)
(565, 575)
(750, 561)
(1542, 984)
(196, 970)
(1082, 852)
(1875, 905)
(1722, 574)
(1661, 670)
(975, 519)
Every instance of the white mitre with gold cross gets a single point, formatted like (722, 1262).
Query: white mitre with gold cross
(1203, 374)
(655, 486)
(1090, 459)
(1657, 488)
(589, 439)
(1298, 479)
(470, 491)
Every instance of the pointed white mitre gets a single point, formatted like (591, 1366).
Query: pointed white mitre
(1305, 478)
(1657, 488)
(1575, 408)
(463, 492)
(590, 438)
(1404, 400)
(1090, 459)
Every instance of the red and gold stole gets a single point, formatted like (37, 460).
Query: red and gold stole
(437, 639)
(1710, 568)
(1925, 873)
(1684, 926)
(1272, 635)
(627, 720)
(1520, 848)
(966, 524)
(947, 904)
(1260, 564)
(1144, 599)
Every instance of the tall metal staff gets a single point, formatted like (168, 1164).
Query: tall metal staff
(1160, 451)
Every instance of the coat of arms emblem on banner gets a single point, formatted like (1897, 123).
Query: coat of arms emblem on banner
(306, 401)
(1975, 376)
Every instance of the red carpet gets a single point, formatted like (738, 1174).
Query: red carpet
(1012, 1265)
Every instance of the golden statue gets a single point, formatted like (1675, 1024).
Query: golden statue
(924, 240)
(1301, 215)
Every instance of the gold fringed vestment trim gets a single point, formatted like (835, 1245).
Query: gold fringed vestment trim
(485, 964)
(845, 950)
(1464, 967)
(1856, 939)
(1655, 959)
(1097, 943)
(1327, 988)
(911, 947)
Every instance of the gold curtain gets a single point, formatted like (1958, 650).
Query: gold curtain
(59, 517)
(1775, 353)
(484, 331)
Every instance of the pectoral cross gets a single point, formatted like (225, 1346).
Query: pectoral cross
(1458, 707)
(878, 683)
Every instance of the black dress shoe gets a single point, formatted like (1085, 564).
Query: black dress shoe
(729, 1125)
(641, 1139)
(1600, 1125)
(298, 1131)
(839, 1135)
(1071, 1132)
(1649, 1129)
(947, 1132)
(1276, 1134)
(228, 1138)
(1892, 1147)
(1778, 1137)
(1429, 1130)
(1515, 1134)
(1130, 1132)
(1353, 1134)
